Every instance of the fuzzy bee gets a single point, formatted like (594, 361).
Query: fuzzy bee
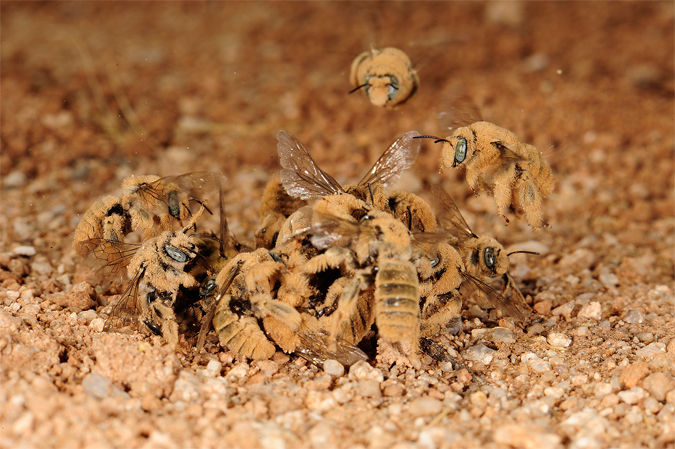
(483, 256)
(386, 76)
(515, 173)
(157, 269)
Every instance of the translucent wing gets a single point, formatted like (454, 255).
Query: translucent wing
(301, 177)
(495, 297)
(110, 257)
(173, 194)
(448, 215)
(315, 347)
(459, 110)
(400, 156)
(126, 311)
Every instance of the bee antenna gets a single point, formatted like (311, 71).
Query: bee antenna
(425, 137)
(523, 252)
(358, 87)
(372, 200)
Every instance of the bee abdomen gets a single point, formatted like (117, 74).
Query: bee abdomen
(397, 300)
(241, 334)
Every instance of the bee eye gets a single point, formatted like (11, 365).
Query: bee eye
(460, 150)
(490, 258)
(366, 218)
(393, 88)
(175, 253)
(366, 86)
(435, 262)
(174, 204)
(207, 288)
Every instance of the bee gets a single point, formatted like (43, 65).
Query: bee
(105, 219)
(483, 256)
(377, 248)
(387, 76)
(155, 203)
(304, 179)
(515, 173)
(276, 206)
(157, 271)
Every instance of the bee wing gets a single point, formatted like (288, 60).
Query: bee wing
(325, 230)
(495, 297)
(108, 256)
(400, 156)
(301, 177)
(208, 319)
(315, 347)
(448, 215)
(201, 187)
(126, 311)
(461, 110)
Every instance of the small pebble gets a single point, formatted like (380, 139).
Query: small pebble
(579, 260)
(564, 310)
(14, 178)
(659, 384)
(41, 267)
(369, 388)
(649, 351)
(362, 370)
(502, 335)
(646, 337)
(101, 387)
(633, 374)
(425, 406)
(559, 340)
(524, 436)
(591, 311)
(480, 353)
(602, 389)
(543, 307)
(27, 251)
(609, 279)
(634, 317)
(213, 368)
(632, 396)
(333, 367)
(554, 392)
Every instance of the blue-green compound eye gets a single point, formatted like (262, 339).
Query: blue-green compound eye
(175, 253)
(490, 258)
(366, 85)
(460, 150)
(393, 88)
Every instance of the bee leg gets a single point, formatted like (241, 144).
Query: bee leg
(347, 305)
(503, 188)
(241, 335)
(529, 199)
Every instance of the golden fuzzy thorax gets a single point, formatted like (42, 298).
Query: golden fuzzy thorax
(377, 67)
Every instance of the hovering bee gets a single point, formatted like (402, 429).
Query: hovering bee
(387, 76)
(304, 179)
(483, 256)
(157, 271)
(515, 173)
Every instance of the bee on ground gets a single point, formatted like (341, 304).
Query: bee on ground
(483, 256)
(105, 219)
(387, 76)
(515, 173)
(377, 248)
(157, 269)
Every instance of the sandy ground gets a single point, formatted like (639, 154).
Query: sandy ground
(94, 92)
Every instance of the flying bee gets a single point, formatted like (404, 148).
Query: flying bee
(304, 179)
(157, 271)
(483, 256)
(105, 219)
(387, 76)
(515, 173)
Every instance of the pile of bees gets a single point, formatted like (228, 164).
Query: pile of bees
(332, 266)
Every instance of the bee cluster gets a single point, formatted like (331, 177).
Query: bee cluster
(329, 263)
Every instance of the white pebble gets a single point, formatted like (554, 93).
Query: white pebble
(651, 350)
(632, 396)
(559, 340)
(27, 251)
(480, 353)
(333, 367)
(362, 370)
(609, 279)
(591, 311)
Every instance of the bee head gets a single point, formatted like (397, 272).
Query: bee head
(492, 259)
